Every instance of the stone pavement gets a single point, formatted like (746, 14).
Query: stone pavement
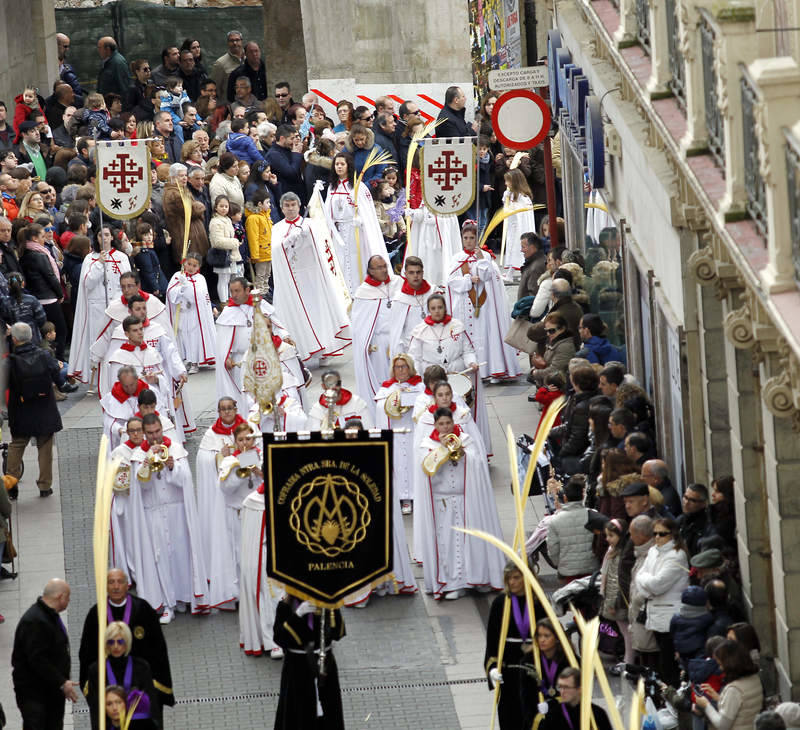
(407, 662)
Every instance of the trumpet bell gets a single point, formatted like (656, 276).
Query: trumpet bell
(393, 405)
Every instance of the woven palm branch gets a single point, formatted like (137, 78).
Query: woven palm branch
(374, 157)
(501, 215)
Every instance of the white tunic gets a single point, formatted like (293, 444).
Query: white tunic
(515, 226)
(371, 335)
(348, 407)
(292, 416)
(147, 362)
(458, 495)
(90, 304)
(258, 598)
(435, 239)
(120, 539)
(196, 333)
(409, 308)
(307, 295)
(118, 408)
(340, 211)
(171, 518)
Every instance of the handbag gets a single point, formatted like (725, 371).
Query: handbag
(610, 641)
(218, 258)
(517, 336)
(11, 551)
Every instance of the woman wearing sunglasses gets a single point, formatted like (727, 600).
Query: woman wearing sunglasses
(131, 673)
(661, 579)
(558, 351)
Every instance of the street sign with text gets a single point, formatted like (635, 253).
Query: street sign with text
(529, 77)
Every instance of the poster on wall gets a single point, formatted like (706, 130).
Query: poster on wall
(513, 34)
(496, 40)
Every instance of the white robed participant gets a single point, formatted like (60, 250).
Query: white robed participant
(288, 412)
(308, 297)
(457, 493)
(98, 286)
(122, 539)
(148, 403)
(517, 197)
(216, 444)
(346, 407)
(443, 340)
(119, 308)
(171, 516)
(435, 239)
(372, 305)
(234, 326)
(409, 305)
(146, 360)
(258, 597)
(121, 403)
(238, 475)
(477, 298)
(190, 312)
(160, 340)
(352, 252)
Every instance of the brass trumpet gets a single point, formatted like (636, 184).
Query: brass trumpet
(454, 447)
(451, 450)
(393, 405)
(244, 472)
(156, 461)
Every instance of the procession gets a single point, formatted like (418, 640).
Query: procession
(330, 403)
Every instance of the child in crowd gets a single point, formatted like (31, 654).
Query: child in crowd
(62, 387)
(613, 607)
(26, 102)
(690, 625)
(172, 100)
(235, 214)
(483, 202)
(385, 200)
(517, 196)
(146, 261)
(553, 388)
(258, 226)
(391, 176)
(98, 117)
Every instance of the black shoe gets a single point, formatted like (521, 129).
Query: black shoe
(67, 388)
(45, 492)
(13, 493)
(7, 574)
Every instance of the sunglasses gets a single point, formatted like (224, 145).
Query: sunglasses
(661, 534)
(685, 499)
(550, 331)
(119, 642)
(50, 228)
(145, 68)
(281, 96)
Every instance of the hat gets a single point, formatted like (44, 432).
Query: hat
(707, 559)
(636, 489)
(595, 520)
(27, 126)
(694, 596)
(790, 712)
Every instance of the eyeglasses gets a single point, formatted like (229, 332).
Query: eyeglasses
(119, 642)
(561, 687)
(550, 331)
(367, 118)
(281, 96)
(659, 533)
(145, 68)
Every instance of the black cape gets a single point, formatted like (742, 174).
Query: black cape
(141, 678)
(148, 644)
(557, 719)
(518, 693)
(297, 705)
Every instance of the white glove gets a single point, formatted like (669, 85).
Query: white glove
(542, 708)
(357, 222)
(305, 608)
(495, 675)
(418, 214)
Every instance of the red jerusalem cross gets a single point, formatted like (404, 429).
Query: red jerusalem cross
(260, 368)
(119, 169)
(447, 170)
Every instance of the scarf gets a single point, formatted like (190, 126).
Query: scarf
(423, 289)
(415, 380)
(221, 429)
(231, 303)
(433, 408)
(130, 347)
(38, 248)
(431, 320)
(374, 282)
(144, 295)
(164, 440)
(122, 396)
(457, 431)
(130, 444)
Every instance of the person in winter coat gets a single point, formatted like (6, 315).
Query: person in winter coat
(689, 626)
(553, 388)
(574, 431)
(617, 472)
(661, 580)
(286, 161)
(225, 181)
(742, 695)
(560, 349)
(613, 607)
(241, 145)
(695, 523)
(172, 202)
(146, 261)
(568, 543)
(642, 647)
(222, 236)
(360, 143)
(452, 115)
(596, 348)
(20, 306)
(258, 225)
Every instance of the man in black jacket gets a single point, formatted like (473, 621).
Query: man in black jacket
(286, 161)
(254, 69)
(452, 114)
(32, 409)
(165, 128)
(383, 128)
(695, 524)
(40, 661)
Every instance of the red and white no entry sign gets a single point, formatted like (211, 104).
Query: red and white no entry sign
(520, 119)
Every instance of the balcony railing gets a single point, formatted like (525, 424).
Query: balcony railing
(756, 203)
(793, 182)
(677, 82)
(715, 125)
(643, 24)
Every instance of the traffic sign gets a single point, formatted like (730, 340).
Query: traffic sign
(529, 77)
(520, 119)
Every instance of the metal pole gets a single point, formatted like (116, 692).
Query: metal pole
(550, 187)
(100, 208)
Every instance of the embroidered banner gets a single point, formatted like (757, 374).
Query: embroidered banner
(447, 168)
(329, 513)
(123, 178)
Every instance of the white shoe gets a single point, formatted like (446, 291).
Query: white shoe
(276, 653)
(192, 368)
(452, 595)
(181, 607)
(167, 616)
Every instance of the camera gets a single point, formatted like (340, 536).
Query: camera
(652, 682)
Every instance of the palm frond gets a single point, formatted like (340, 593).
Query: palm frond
(500, 216)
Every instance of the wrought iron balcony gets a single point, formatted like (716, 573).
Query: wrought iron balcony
(793, 186)
(756, 203)
(643, 24)
(715, 124)
(677, 82)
